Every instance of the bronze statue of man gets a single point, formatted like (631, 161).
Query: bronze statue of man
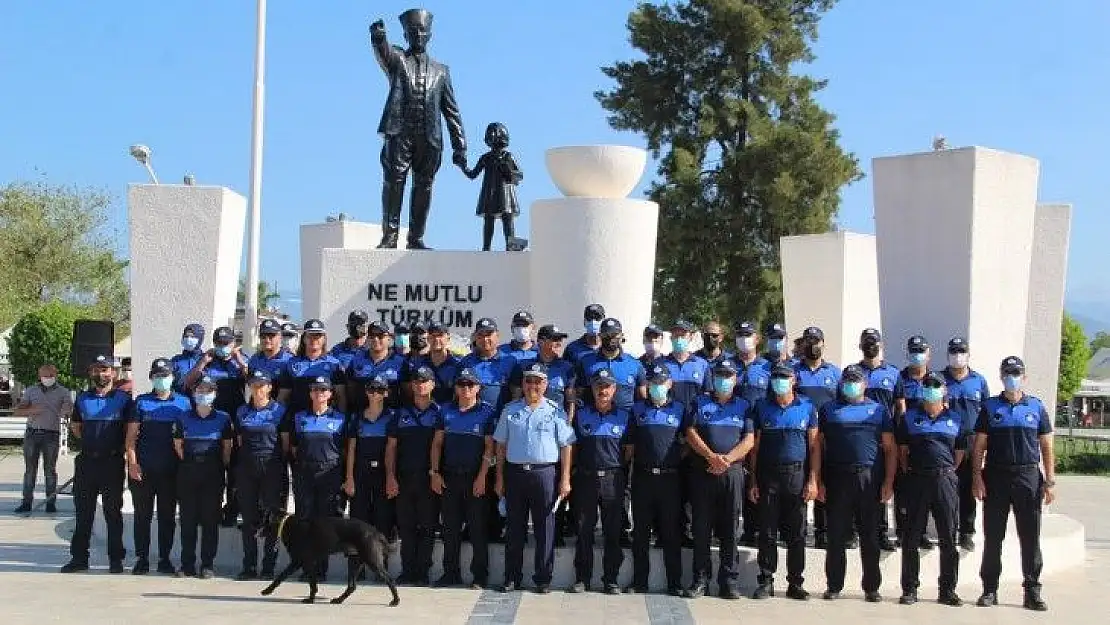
(419, 92)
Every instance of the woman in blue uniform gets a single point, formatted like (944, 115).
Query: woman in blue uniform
(203, 442)
(261, 469)
(365, 466)
(317, 448)
(312, 361)
(932, 443)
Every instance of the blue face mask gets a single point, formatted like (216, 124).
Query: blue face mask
(401, 341)
(781, 386)
(776, 346)
(680, 345)
(932, 394)
(223, 351)
(1011, 383)
(205, 399)
(658, 393)
(852, 390)
(723, 386)
(162, 383)
(592, 327)
(917, 358)
(190, 343)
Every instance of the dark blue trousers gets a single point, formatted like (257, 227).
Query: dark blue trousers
(1022, 490)
(259, 487)
(716, 500)
(936, 493)
(529, 491)
(594, 490)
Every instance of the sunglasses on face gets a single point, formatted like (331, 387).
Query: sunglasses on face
(376, 391)
(465, 384)
(531, 380)
(713, 335)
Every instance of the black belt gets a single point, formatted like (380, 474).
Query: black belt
(781, 467)
(657, 470)
(450, 471)
(1012, 468)
(934, 472)
(98, 455)
(532, 466)
(851, 468)
(600, 472)
(42, 431)
(200, 458)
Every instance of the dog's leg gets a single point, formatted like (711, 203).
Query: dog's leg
(289, 570)
(311, 568)
(354, 567)
(378, 566)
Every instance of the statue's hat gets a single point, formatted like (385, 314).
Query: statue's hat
(416, 17)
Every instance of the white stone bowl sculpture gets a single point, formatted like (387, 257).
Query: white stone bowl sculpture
(599, 171)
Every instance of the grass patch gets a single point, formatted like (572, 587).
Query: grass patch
(1082, 457)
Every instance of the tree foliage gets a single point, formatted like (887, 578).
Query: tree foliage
(1075, 353)
(1102, 339)
(746, 155)
(268, 295)
(55, 246)
(43, 337)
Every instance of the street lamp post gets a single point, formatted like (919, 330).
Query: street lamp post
(250, 314)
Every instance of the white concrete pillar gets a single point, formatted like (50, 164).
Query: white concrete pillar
(955, 239)
(1051, 232)
(350, 235)
(186, 246)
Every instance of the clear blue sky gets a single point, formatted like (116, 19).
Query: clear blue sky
(85, 81)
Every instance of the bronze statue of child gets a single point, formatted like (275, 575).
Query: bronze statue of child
(498, 195)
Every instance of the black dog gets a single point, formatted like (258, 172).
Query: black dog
(310, 541)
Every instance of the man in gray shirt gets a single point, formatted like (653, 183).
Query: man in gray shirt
(44, 405)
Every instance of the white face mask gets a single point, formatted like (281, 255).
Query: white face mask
(957, 361)
(651, 347)
(125, 375)
(522, 334)
(48, 382)
(745, 344)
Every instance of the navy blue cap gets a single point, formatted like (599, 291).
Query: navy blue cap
(423, 374)
(653, 331)
(314, 326)
(658, 374)
(160, 366)
(603, 377)
(917, 343)
(682, 324)
(813, 333)
(195, 329)
(745, 328)
(485, 324)
(536, 370)
(289, 329)
(595, 312)
(932, 378)
(1012, 365)
(853, 373)
(776, 331)
(782, 370)
(436, 327)
(957, 345)
(223, 334)
(724, 367)
(377, 327)
(357, 318)
(418, 328)
(205, 380)
(377, 381)
(610, 326)
(522, 318)
(320, 382)
(400, 328)
(467, 375)
(268, 327)
(259, 376)
(102, 360)
(550, 332)
(870, 336)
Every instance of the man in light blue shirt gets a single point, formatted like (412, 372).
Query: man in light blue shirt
(532, 436)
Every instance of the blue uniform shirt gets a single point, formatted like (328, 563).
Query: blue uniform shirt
(259, 430)
(370, 436)
(203, 436)
(753, 380)
(414, 428)
(909, 388)
(156, 418)
(103, 420)
(299, 373)
(720, 426)
(626, 370)
(533, 435)
(182, 364)
(344, 352)
(464, 435)
(445, 372)
(712, 360)
(517, 351)
(689, 378)
(966, 396)
(272, 366)
(362, 367)
(318, 439)
(880, 384)
(1013, 430)
(656, 434)
(853, 432)
(494, 374)
(599, 437)
(560, 377)
(783, 430)
(932, 442)
(576, 349)
(819, 385)
(229, 378)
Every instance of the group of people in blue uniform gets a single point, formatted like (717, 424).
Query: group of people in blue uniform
(393, 428)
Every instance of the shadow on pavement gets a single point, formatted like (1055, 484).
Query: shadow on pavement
(232, 598)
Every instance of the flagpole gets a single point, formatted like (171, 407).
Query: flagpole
(254, 219)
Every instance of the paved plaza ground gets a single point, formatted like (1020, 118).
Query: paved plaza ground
(31, 590)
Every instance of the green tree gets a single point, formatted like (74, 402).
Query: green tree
(1074, 356)
(55, 246)
(746, 154)
(268, 295)
(43, 337)
(1102, 339)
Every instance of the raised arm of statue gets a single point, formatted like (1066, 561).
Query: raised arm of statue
(386, 54)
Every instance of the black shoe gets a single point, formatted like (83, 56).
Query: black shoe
(626, 540)
(142, 567)
(165, 567)
(797, 593)
(246, 574)
(853, 543)
(830, 595)
(207, 573)
(987, 600)
(658, 544)
(872, 597)
(229, 520)
(696, 590)
(543, 589)
(75, 566)
(967, 542)
(1034, 602)
(908, 598)
(636, 589)
(510, 587)
(115, 567)
(417, 245)
(675, 591)
(449, 579)
(886, 544)
(897, 542)
(612, 589)
(763, 591)
(187, 571)
(749, 540)
(51, 507)
(820, 541)
(24, 508)
(728, 592)
(578, 587)
(950, 598)
(687, 542)
(478, 584)
(926, 544)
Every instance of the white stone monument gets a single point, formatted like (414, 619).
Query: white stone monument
(830, 281)
(1048, 275)
(186, 246)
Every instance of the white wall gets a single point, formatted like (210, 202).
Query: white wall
(594, 250)
(1051, 233)
(335, 234)
(955, 231)
(186, 247)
